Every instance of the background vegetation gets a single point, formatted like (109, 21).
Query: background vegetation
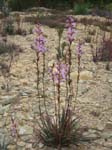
(79, 6)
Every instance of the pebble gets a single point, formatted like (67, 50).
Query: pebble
(25, 130)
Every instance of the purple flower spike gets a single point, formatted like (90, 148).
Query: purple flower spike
(59, 72)
(70, 25)
(40, 41)
(79, 49)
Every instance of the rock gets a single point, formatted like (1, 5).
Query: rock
(90, 136)
(24, 82)
(50, 64)
(108, 126)
(100, 127)
(28, 146)
(11, 147)
(1, 110)
(5, 139)
(23, 116)
(95, 113)
(24, 94)
(106, 135)
(41, 145)
(84, 75)
(26, 138)
(110, 80)
(1, 124)
(4, 109)
(25, 130)
(20, 143)
(8, 99)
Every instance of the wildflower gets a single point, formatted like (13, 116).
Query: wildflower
(79, 49)
(39, 42)
(70, 25)
(59, 72)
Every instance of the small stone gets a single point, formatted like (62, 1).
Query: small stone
(1, 110)
(84, 75)
(26, 138)
(5, 139)
(95, 113)
(106, 135)
(110, 80)
(100, 127)
(108, 126)
(24, 82)
(8, 99)
(41, 145)
(90, 136)
(28, 146)
(1, 124)
(50, 64)
(21, 143)
(11, 147)
(25, 130)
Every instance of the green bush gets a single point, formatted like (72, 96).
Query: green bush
(18, 5)
(7, 48)
(109, 7)
(8, 26)
(54, 4)
(83, 8)
(1, 3)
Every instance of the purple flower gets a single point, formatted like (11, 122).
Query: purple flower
(59, 72)
(70, 25)
(40, 41)
(70, 22)
(79, 49)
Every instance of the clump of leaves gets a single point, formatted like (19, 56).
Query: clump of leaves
(104, 52)
(8, 48)
(59, 133)
(10, 51)
(3, 145)
(19, 29)
(83, 8)
(8, 26)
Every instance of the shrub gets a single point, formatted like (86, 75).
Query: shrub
(5, 48)
(18, 5)
(104, 52)
(109, 7)
(8, 26)
(1, 4)
(83, 8)
(11, 51)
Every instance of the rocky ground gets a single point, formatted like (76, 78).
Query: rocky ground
(94, 103)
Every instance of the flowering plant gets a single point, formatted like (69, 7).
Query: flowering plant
(40, 41)
(58, 129)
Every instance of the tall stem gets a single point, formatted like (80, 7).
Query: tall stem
(43, 81)
(58, 93)
(78, 77)
(38, 74)
(69, 74)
